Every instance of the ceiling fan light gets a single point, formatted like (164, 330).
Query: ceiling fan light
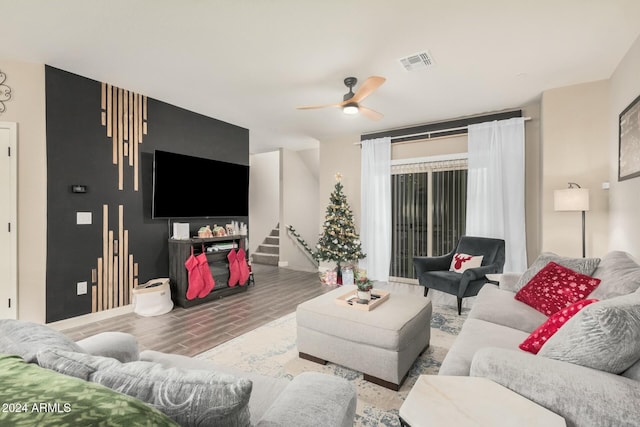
(351, 108)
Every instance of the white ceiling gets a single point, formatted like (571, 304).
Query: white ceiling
(251, 62)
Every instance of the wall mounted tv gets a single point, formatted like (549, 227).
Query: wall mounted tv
(195, 187)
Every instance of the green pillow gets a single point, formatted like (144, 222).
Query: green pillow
(190, 397)
(32, 395)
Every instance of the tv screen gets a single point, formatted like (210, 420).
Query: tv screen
(195, 187)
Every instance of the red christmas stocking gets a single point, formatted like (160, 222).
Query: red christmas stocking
(207, 279)
(243, 268)
(195, 278)
(234, 274)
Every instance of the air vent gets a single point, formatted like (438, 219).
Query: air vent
(418, 61)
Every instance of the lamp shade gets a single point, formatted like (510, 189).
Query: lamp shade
(571, 199)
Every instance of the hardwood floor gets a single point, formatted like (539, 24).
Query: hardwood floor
(277, 291)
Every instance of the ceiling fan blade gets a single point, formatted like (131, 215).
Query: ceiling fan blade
(366, 88)
(311, 107)
(372, 114)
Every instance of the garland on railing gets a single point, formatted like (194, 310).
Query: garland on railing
(302, 242)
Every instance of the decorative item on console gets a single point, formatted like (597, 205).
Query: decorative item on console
(218, 231)
(204, 232)
(236, 228)
(180, 230)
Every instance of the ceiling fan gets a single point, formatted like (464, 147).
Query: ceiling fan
(351, 101)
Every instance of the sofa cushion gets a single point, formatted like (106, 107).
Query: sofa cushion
(584, 266)
(604, 336)
(477, 334)
(25, 339)
(536, 340)
(500, 307)
(190, 397)
(329, 392)
(633, 371)
(264, 391)
(119, 345)
(506, 281)
(619, 274)
(67, 401)
(556, 287)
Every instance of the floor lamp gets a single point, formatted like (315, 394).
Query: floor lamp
(573, 199)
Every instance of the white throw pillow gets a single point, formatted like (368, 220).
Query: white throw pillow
(461, 262)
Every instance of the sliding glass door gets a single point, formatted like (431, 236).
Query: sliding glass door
(428, 212)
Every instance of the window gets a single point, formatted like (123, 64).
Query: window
(428, 205)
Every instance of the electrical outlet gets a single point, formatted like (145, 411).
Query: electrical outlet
(82, 288)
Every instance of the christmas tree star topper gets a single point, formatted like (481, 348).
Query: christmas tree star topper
(338, 176)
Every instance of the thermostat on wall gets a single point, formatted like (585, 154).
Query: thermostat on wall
(78, 188)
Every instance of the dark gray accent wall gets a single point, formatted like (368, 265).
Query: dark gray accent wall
(79, 152)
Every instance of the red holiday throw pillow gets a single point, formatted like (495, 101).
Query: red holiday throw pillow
(556, 287)
(534, 342)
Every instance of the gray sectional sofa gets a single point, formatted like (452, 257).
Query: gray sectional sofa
(588, 372)
(188, 391)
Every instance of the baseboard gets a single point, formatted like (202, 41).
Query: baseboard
(283, 263)
(91, 317)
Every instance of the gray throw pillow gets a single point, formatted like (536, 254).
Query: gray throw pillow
(189, 397)
(25, 339)
(584, 266)
(619, 274)
(604, 335)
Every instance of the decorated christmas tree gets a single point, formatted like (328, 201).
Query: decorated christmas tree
(339, 241)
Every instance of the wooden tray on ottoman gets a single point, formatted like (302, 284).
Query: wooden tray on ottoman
(378, 296)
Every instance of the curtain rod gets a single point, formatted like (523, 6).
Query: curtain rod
(428, 134)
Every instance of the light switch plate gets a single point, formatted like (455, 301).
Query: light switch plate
(83, 218)
(82, 288)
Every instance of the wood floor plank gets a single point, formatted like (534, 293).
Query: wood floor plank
(277, 292)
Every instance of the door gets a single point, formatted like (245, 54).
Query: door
(8, 221)
(428, 212)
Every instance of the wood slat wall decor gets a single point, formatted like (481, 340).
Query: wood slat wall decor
(117, 273)
(124, 115)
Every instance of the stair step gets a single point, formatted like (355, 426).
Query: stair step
(275, 232)
(262, 258)
(271, 240)
(268, 249)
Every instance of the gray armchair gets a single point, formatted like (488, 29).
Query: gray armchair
(433, 272)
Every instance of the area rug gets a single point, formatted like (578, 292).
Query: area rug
(271, 350)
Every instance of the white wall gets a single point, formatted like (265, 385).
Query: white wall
(574, 136)
(264, 196)
(27, 108)
(624, 196)
(298, 205)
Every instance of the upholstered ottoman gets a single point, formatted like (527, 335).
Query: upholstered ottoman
(382, 343)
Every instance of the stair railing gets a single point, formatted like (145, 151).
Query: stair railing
(302, 244)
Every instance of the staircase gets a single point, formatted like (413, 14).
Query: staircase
(269, 251)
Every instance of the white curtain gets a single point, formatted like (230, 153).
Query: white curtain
(495, 188)
(375, 228)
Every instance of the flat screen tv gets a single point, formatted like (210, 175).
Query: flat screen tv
(195, 187)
